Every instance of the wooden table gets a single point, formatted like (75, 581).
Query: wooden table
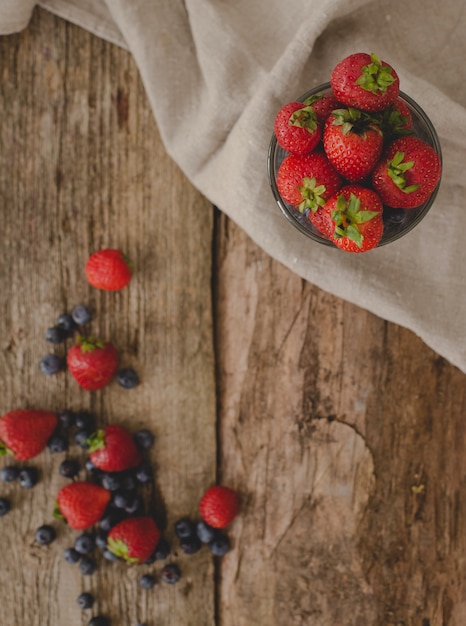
(343, 434)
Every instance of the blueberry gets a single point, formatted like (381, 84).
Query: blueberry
(9, 474)
(66, 322)
(90, 466)
(144, 473)
(147, 581)
(55, 334)
(110, 519)
(81, 314)
(110, 481)
(84, 544)
(81, 438)
(190, 545)
(28, 477)
(205, 532)
(87, 566)
(66, 418)
(144, 438)
(184, 527)
(128, 378)
(69, 468)
(51, 364)
(85, 600)
(57, 443)
(45, 535)
(85, 420)
(101, 539)
(5, 506)
(99, 620)
(134, 506)
(128, 483)
(71, 555)
(162, 550)
(171, 573)
(220, 545)
(121, 499)
(109, 555)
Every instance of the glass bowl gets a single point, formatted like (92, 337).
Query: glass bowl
(397, 222)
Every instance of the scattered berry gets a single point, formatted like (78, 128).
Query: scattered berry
(67, 323)
(134, 539)
(144, 473)
(81, 438)
(108, 269)
(25, 432)
(112, 449)
(144, 438)
(101, 539)
(184, 528)
(190, 545)
(162, 550)
(219, 506)
(110, 519)
(220, 545)
(51, 364)
(110, 556)
(9, 473)
(85, 420)
(69, 468)
(45, 534)
(128, 378)
(71, 555)
(99, 620)
(85, 600)
(92, 362)
(110, 481)
(84, 544)
(171, 573)
(87, 566)
(147, 581)
(205, 532)
(5, 506)
(57, 443)
(81, 315)
(82, 504)
(28, 477)
(66, 418)
(55, 334)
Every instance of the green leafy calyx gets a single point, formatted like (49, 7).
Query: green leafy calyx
(312, 194)
(120, 549)
(348, 215)
(97, 440)
(376, 77)
(89, 344)
(397, 169)
(304, 118)
(355, 121)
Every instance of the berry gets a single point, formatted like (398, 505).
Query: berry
(57, 443)
(85, 600)
(84, 544)
(89, 466)
(190, 545)
(219, 506)
(128, 378)
(323, 105)
(184, 528)
(220, 545)
(108, 269)
(71, 555)
(107, 554)
(296, 128)
(121, 499)
(9, 474)
(162, 550)
(134, 539)
(45, 535)
(66, 418)
(92, 362)
(110, 519)
(171, 573)
(356, 213)
(128, 482)
(85, 420)
(205, 532)
(113, 449)
(99, 620)
(144, 438)
(67, 323)
(55, 334)
(147, 581)
(51, 364)
(28, 477)
(81, 315)
(135, 506)
(25, 432)
(5, 506)
(365, 82)
(110, 481)
(144, 473)
(69, 468)
(87, 566)
(101, 539)
(82, 504)
(81, 438)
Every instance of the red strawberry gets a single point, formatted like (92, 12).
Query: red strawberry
(352, 142)
(365, 82)
(323, 105)
(296, 128)
(219, 506)
(113, 449)
(82, 504)
(407, 174)
(134, 539)
(24, 432)
(92, 362)
(306, 182)
(356, 213)
(108, 269)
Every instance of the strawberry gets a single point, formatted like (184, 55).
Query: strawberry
(365, 82)
(134, 539)
(322, 105)
(356, 213)
(108, 269)
(92, 362)
(25, 432)
(113, 449)
(352, 142)
(396, 120)
(219, 506)
(407, 174)
(296, 128)
(81, 504)
(306, 182)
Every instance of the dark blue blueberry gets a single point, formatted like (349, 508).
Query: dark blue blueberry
(71, 555)
(147, 581)
(190, 545)
(9, 474)
(5, 506)
(99, 620)
(69, 468)
(84, 544)
(162, 550)
(28, 477)
(51, 364)
(135, 506)
(108, 554)
(128, 378)
(144, 473)
(184, 527)
(45, 535)
(57, 443)
(220, 545)
(128, 482)
(66, 418)
(171, 573)
(81, 314)
(81, 438)
(66, 322)
(205, 532)
(121, 499)
(144, 438)
(85, 420)
(55, 334)
(110, 519)
(90, 466)
(87, 566)
(85, 600)
(101, 538)
(111, 481)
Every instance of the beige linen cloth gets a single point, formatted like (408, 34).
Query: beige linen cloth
(217, 71)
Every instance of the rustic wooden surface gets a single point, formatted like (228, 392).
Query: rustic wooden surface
(344, 434)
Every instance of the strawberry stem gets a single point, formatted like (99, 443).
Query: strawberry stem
(375, 77)
(89, 344)
(97, 440)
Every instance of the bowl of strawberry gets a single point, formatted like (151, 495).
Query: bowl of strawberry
(355, 163)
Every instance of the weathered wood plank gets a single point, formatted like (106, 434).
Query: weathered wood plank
(83, 167)
(346, 436)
